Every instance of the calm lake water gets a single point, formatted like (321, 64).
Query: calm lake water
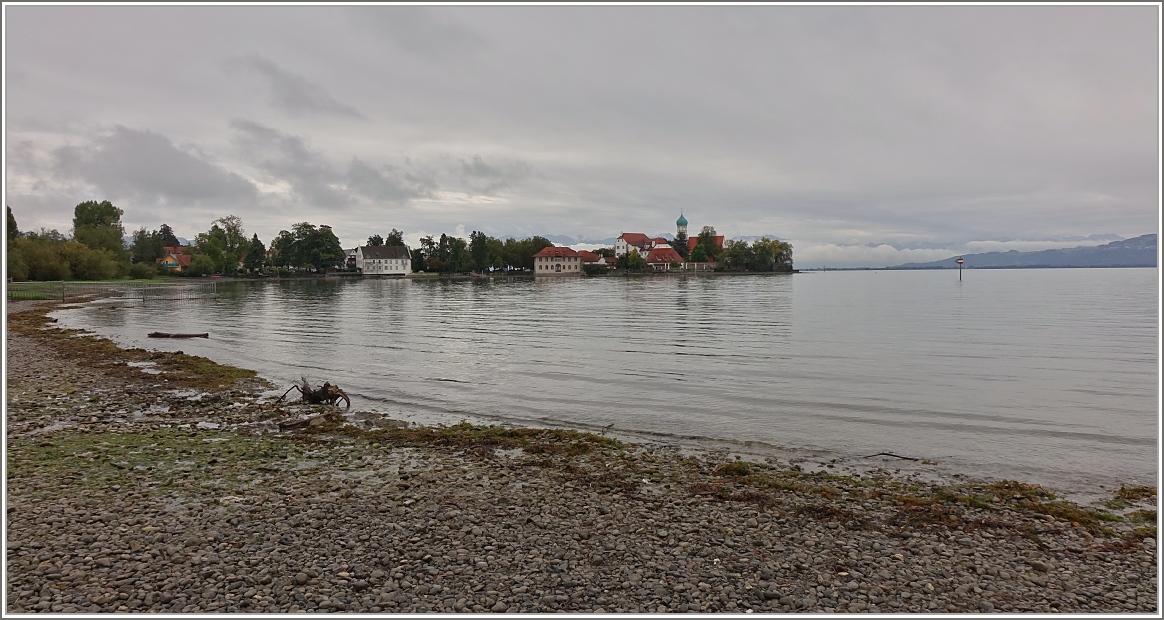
(1047, 376)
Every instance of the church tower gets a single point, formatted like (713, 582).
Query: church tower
(681, 226)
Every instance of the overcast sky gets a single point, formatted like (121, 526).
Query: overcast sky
(865, 135)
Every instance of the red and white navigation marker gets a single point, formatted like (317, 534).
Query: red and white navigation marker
(960, 261)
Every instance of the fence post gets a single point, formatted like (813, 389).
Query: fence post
(62, 290)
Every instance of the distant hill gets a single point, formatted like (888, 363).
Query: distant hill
(1135, 252)
(755, 237)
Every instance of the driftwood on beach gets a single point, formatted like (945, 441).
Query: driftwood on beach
(324, 394)
(169, 335)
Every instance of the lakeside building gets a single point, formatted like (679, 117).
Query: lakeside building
(632, 241)
(658, 252)
(694, 241)
(384, 260)
(174, 259)
(557, 261)
(661, 258)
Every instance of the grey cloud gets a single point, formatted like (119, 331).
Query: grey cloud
(481, 177)
(145, 165)
(288, 158)
(290, 91)
(388, 183)
(423, 31)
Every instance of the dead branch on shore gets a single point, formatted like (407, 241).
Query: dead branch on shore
(324, 394)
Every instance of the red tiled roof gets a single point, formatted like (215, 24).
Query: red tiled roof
(694, 241)
(556, 252)
(183, 259)
(637, 239)
(664, 255)
(588, 256)
(660, 240)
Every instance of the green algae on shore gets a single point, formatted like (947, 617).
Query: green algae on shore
(179, 369)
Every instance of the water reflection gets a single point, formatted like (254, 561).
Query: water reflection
(1041, 371)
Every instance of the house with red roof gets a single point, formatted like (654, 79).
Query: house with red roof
(557, 261)
(632, 241)
(694, 241)
(588, 257)
(660, 258)
(174, 259)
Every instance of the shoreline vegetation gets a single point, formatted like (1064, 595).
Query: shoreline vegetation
(156, 481)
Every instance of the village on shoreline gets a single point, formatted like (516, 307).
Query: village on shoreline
(100, 250)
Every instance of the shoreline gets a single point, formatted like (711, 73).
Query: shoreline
(929, 468)
(132, 491)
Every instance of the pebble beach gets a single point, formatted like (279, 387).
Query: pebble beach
(141, 481)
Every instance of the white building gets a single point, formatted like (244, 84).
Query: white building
(384, 260)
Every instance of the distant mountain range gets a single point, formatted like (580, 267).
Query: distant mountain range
(1135, 252)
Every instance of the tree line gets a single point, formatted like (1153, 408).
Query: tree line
(481, 252)
(97, 250)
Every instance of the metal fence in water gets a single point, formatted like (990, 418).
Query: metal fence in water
(122, 292)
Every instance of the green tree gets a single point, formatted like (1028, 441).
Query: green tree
(479, 250)
(763, 255)
(98, 226)
(395, 237)
(283, 249)
(225, 243)
(634, 261)
(169, 240)
(97, 215)
(699, 254)
(496, 252)
(460, 260)
(784, 253)
(375, 240)
(147, 246)
(209, 244)
(14, 261)
(200, 265)
(256, 255)
(41, 259)
(427, 251)
(417, 256)
(13, 231)
(234, 237)
(706, 239)
(86, 263)
(308, 246)
(532, 246)
(142, 271)
(737, 255)
(680, 244)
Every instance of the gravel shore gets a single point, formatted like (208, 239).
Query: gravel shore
(142, 481)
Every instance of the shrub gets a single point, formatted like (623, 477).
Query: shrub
(142, 271)
(17, 269)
